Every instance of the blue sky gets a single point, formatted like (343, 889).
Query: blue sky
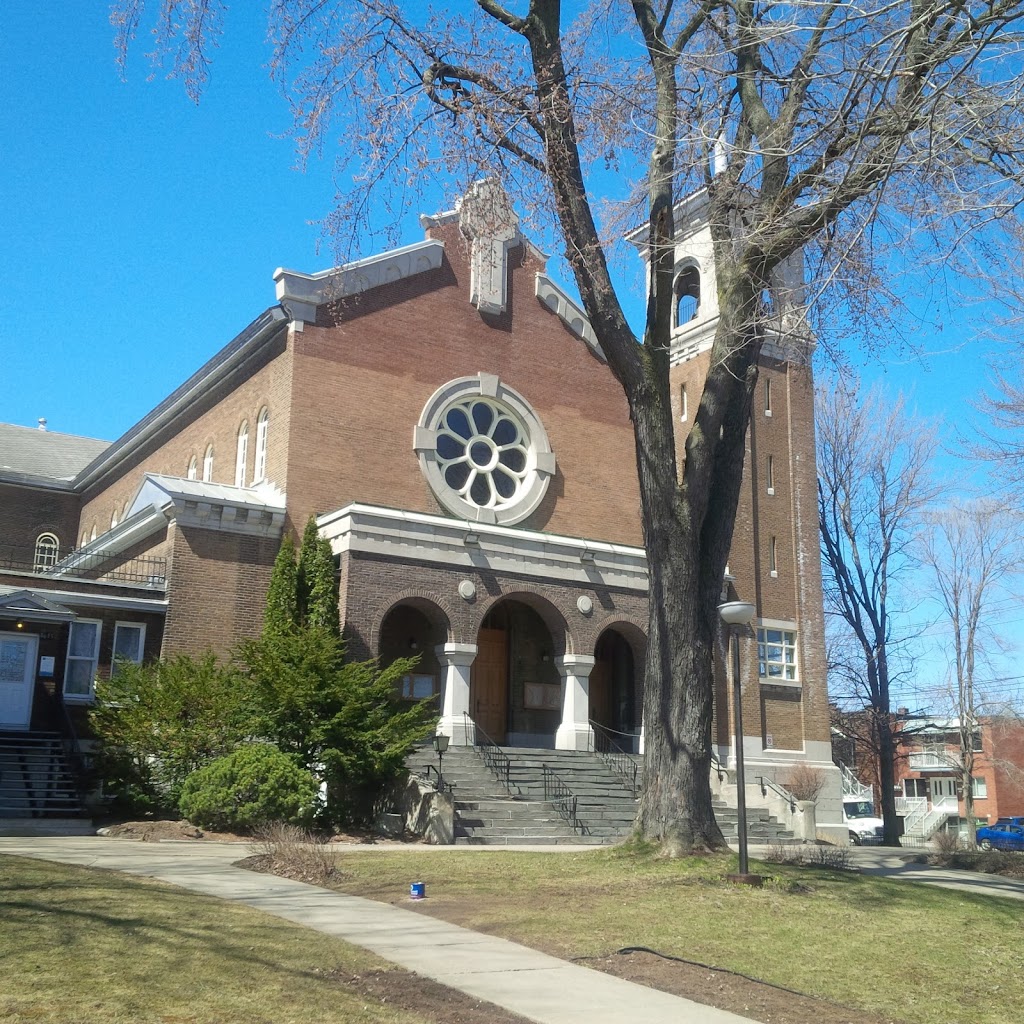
(142, 231)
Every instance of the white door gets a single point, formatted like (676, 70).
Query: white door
(17, 679)
(944, 795)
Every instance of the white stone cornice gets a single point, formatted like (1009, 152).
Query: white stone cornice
(302, 293)
(556, 299)
(420, 537)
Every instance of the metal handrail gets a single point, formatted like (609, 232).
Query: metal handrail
(562, 798)
(73, 752)
(603, 742)
(109, 565)
(767, 784)
(494, 757)
(441, 785)
(718, 768)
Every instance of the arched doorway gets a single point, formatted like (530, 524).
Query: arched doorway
(515, 686)
(614, 691)
(412, 629)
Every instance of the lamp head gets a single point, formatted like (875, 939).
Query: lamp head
(737, 613)
(440, 742)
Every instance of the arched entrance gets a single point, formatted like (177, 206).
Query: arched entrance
(515, 686)
(413, 629)
(615, 690)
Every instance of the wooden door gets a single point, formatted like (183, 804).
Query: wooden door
(488, 684)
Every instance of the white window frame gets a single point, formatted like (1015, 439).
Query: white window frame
(208, 464)
(768, 396)
(47, 552)
(126, 624)
(684, 405)
(193, 468)
(786, 642)
(241, 453)
(262, 434)
(770, 473)
(773, 557)
(979, 787)
(94, 659)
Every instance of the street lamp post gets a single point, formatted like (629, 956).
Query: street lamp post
(440, 745)
(737, 614)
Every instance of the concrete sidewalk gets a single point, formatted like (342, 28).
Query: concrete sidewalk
(540, 987)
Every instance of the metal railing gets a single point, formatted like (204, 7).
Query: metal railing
(440, 786)
(852, 786)
(562, 798)
(778, 790)
(90, 565)
(494, 757)
(924, 759)
(610, 749)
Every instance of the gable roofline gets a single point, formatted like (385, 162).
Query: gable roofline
(246, 344)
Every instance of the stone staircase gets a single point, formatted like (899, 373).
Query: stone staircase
(488, 814)
(36, 782)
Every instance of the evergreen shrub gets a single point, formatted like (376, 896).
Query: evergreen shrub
(248, 788)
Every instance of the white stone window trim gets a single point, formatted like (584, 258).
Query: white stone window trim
(47, 552)
(540, 460)
(262, 437)
(785, 627)
(241, 453)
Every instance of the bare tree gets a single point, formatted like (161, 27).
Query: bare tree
(973, 550)
(874, 487)
(808, 112)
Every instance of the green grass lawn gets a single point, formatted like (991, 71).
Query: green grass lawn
(917, 952)
(96, 947)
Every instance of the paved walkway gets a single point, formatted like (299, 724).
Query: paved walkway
(540, 987)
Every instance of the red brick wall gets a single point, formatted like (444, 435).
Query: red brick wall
(26, 512)
(217, 589)
(363, 374)
(266, 381)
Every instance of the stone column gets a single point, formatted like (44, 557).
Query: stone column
(455, 661)
(575, 733)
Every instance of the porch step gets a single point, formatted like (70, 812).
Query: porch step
(36, 780)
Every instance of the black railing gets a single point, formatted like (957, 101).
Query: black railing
(80, 765)
(440, 786)
(562, 798)
(90, 565)
(610, 745)
(778, 790)
(494, 757)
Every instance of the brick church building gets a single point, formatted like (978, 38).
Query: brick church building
(446, 413)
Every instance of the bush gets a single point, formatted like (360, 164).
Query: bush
(294, 853)
(247, 789)
(805, 782)
(158, 723)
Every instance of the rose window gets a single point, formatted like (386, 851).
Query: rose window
(483, 450)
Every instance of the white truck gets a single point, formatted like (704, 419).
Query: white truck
(860, 818)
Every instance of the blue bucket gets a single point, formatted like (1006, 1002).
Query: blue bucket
(418, 891)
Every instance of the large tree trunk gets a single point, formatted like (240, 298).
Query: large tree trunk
(886, 778)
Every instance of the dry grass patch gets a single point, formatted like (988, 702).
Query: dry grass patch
(88, 946)
(881, 946)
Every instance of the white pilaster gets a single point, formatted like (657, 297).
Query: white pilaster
(575, 733)
(455, 723)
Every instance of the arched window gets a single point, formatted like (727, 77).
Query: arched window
(241, 453)
(47, 552)
(113, 518)
(208, 464)
(193, 468)
(92, 533)
(687, 295)
(262, 430)
(85, 538)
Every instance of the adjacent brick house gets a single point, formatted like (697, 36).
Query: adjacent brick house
(446, 413)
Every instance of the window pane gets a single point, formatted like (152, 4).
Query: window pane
(128, 643)
(78, 681)
(83, 640)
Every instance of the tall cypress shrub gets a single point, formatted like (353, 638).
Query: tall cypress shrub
(282, 611)
(316, 587)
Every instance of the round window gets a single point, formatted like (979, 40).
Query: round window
(483, 450)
